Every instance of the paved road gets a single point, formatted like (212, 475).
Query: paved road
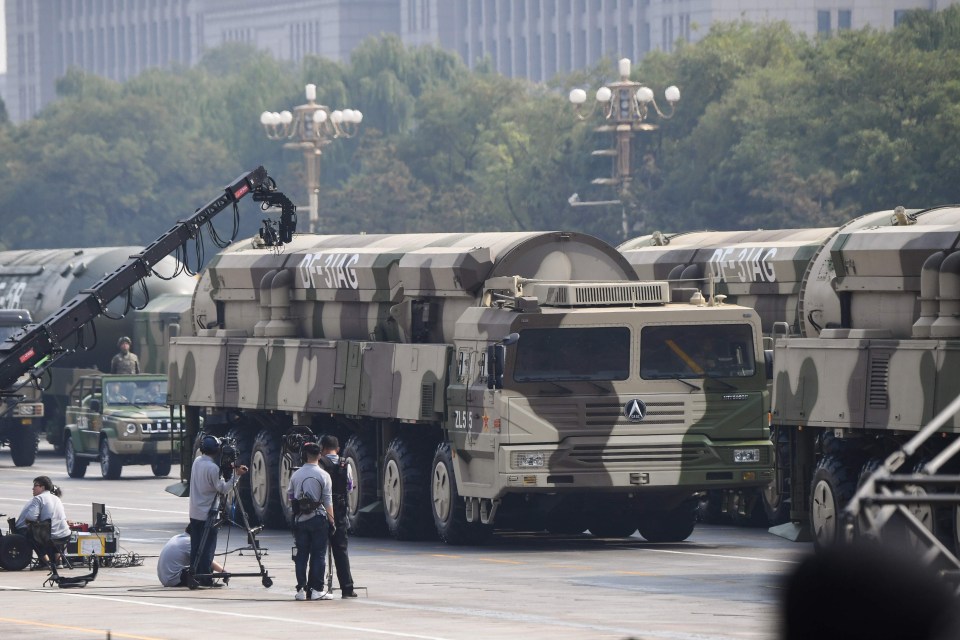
(723, 583)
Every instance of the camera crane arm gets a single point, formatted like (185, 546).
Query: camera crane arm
(35, 349)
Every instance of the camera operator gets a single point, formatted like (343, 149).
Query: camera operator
(309, 492)
(205, 485)
(342, 479)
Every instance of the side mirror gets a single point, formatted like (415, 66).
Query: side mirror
(95, 406)
(496, 357)
(768, 360)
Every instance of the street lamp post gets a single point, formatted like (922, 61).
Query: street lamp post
(626, 105)
(310, 127)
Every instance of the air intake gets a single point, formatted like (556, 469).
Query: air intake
(602, 294)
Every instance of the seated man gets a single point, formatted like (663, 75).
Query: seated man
(43, 519)
(174, 562)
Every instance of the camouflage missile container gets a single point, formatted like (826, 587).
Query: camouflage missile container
(41, 281)
(522, 379)
(865, 357)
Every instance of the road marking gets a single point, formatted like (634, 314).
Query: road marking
(99, 632)
(109, 508)
(443, 555)
(636, 573)
(716, 555)
(220, 612)
(498, 561)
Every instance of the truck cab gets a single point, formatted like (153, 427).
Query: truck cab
(21, 413)
(120, 420)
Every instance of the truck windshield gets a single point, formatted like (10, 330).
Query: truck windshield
(595, 353)
(696, 351)
(137, 392)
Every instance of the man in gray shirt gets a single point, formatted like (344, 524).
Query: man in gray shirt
(310, 492)
(205, 485)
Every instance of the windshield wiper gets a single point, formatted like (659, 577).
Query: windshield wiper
(562, 388)
(723, 382)
(677, 377)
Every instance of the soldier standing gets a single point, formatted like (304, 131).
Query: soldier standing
(125, 361)
(342, 479)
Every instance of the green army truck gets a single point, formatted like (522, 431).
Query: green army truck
(120, 420)
(40, 281)
(865, 333)
(523, 380)
(21, 411)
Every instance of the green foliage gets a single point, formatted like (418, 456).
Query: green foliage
(773, 130)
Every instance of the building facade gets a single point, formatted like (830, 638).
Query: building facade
(120, 38)
(536, 39)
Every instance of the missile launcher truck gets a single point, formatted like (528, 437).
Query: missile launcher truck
(865, 328)
(524, 380)
(42, 280)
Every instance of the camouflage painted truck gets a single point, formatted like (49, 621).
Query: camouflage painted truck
(21, 408)
(866, 321)
(525, 380)
(41, 281)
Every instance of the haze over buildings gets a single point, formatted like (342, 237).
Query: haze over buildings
(534, 39)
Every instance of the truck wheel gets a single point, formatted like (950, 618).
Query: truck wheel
(76, 468)
(871, 465)
(286, 471)
(449, 509)
(110, 464)
(15, 552)
(361, 458)
(243, 436)
(161, 466)
(675, 525)
(406, 490)
(265, 480)
(23, 446)
(833, 484)
(610, 523)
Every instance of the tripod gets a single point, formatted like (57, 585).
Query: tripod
(216, 518)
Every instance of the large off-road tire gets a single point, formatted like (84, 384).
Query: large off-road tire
(23, 446)
(161, 466)
(243, 435)
(612, 523)
(15, 552)
(449, 509)
(361, 457)
(76, 467)
(675, 525)
(834, 483)
(265, 480)
(406, 490)
(776, 495)
(285, 472)
(863, 524)
(111, 466)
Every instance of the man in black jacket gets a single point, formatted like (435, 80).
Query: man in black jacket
(342, 478)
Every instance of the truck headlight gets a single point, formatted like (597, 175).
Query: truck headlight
(746, 455)
(131, 428)
(528, 459)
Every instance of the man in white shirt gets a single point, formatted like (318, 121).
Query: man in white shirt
(206, 484)
(310, 492)
(175, 560)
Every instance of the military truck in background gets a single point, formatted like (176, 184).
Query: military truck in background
(521, 380)
(42, 280)
(21, 411)
(120, 420)
(865, 321)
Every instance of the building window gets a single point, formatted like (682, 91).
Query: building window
(823, 22)
(844, 19)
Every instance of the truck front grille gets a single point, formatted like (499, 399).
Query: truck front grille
(160, 426)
